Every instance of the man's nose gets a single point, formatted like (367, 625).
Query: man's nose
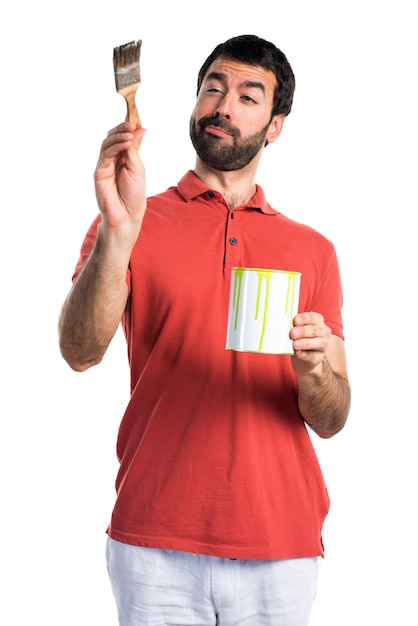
(224, 108)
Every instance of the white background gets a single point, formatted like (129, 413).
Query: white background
(346, 164)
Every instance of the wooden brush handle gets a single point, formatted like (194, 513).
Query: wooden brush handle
(132, 115)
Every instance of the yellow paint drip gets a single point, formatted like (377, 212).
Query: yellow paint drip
(290, 295)
(238, 274)
(262, 275)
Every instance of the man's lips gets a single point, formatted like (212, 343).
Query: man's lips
(216, 130)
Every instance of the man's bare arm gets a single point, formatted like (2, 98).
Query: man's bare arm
(93, 309)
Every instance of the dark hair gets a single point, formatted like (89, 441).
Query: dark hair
(253, 50)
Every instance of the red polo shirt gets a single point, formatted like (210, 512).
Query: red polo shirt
(214, 455)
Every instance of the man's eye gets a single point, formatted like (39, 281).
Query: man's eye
(248, 98)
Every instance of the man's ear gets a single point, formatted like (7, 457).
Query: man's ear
(275, 129)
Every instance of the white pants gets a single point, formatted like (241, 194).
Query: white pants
(170, 588)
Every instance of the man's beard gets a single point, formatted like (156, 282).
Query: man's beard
(212, 152)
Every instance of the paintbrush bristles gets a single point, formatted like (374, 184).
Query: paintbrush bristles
(126, 64)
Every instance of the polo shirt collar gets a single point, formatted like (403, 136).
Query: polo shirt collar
(190, 186)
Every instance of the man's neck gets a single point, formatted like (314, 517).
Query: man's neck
(237, 187)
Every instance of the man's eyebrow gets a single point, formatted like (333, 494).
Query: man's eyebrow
(256, 84)
(246, 83)
(215, 76)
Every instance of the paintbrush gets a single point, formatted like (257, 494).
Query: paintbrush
(128, 76)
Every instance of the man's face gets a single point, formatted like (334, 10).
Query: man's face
(231, 121)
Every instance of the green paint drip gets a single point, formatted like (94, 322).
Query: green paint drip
(291, 290)
(267, 276)
(239, 273)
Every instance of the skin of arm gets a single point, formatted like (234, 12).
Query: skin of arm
(320, 364)
(94, 306)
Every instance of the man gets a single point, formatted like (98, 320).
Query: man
(220, 499)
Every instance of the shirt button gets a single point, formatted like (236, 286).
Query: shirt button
(211, 195)
(232, 241)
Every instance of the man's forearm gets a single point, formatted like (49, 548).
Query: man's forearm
(93, 309)
(324, 400)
